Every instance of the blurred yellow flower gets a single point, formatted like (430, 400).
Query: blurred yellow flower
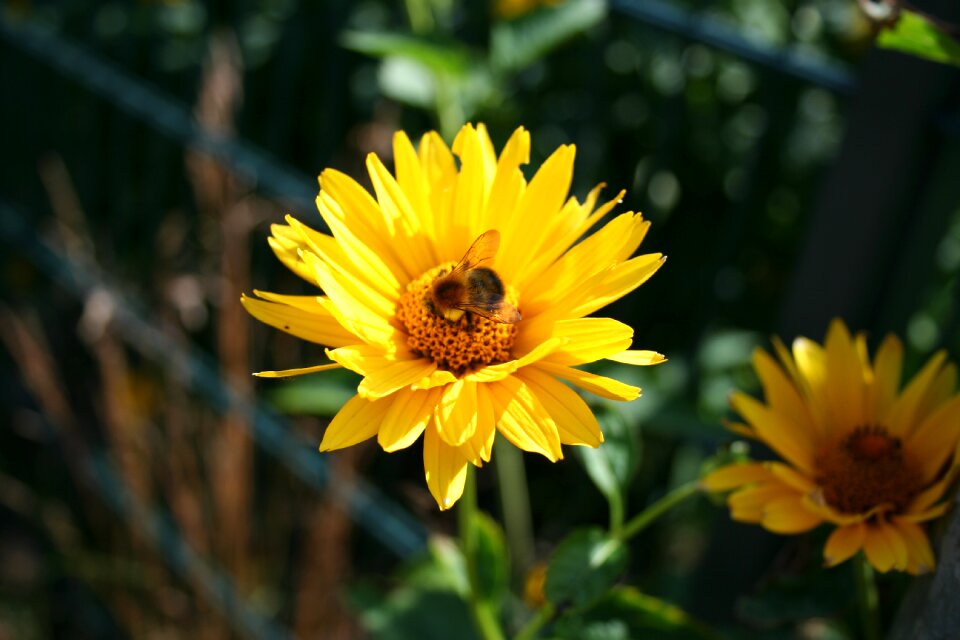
(510, 9)
(458, 378)
(858, 452)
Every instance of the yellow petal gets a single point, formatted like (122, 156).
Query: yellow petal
(403, 223)
(774, 429)
(590, 339)
(330, 265)
(457, 412)
(598, 385)
(445, 468)
(884, 547)
(816, 503)
(585, 262)
(931, 513)
(923, 500)
(383, 373)
(522, 419)
(314, 325)
(748, 504)
(358, 420)
(543, 197)
(791, 477)
(348, 209)
(469, 201)
(887, 369)
(615, 283)
(286, 373)
(479, 447)
(903, 416)
(438, 378)
(782, 396)
(936, 438)
(354, 307)
(921, 558)
(788, 515)
(741, 429)
(500, 371)
(409, 414)
(413, 181)
(843, 543)
(440, 168)
(576, 424)
(940, 390)
(811, 367)
(844, 386)
(508, 182)
(350, 255)
(574, 220)
(735, 475)
(638, 358)
(287, 249)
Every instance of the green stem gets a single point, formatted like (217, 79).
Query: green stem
(450, 116)
(515, 502)
(418, 12)
(646, 517)
(483, 614)
(533, 626)
(867, 598)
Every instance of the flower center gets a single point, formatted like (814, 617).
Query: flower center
(867, 469)
(458, 346)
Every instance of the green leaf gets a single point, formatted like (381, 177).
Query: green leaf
(444, 568)
(647, 616)
(424, 614)
(492, 566)
(517, 44)
(314, 395)
(817, 592)
(448, 58)
(429, 601)
(408, 81)
(914, 34)
(574, 628)
(584, 566)
(612, 465)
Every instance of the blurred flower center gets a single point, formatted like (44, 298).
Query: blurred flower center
(458, 347)
(867, 469)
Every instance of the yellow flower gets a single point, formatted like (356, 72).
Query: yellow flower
(859, 453)
(511, 9)
(459, 380)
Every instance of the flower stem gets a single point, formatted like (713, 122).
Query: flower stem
(483, 614)
(867, 597)
(539, 619)
(646, 517)
(515, 502)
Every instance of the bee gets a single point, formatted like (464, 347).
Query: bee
(471, 288)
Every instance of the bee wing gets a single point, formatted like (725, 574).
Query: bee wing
(483, 249)
(496, 310)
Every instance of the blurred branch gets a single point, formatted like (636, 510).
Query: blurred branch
(711, 31)
(158, 110)
(221, 197)
(930, 611)
(886, 13)
(386, 521)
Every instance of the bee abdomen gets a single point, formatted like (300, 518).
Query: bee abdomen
(484, 281)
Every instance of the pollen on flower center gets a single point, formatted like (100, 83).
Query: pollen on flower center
(867, 469)
(461, 346)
